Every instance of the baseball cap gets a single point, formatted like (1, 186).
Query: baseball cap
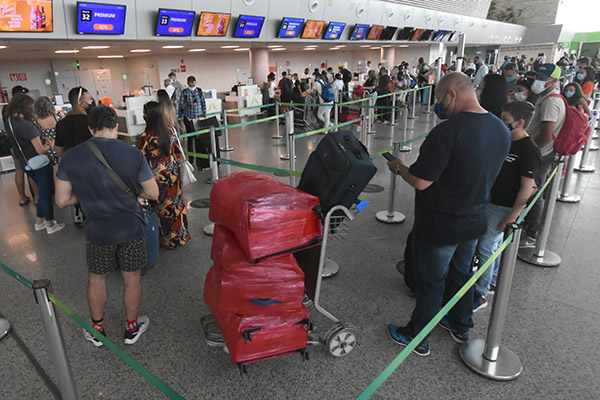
(549, 71)
(340, 65)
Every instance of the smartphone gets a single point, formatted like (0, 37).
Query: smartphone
(388, 156)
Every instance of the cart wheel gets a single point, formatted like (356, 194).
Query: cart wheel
(341, 342)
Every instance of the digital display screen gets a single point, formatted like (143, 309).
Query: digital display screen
(426, 35)
(291, 27)
(334, 30)
(406, 33)
(388, 33)
(249, 26)
(313, 29)
(101, 18)
(375, 32)
(359, 32)
(175, 22)
(417, 34)
(26, 16)
(438, 35)
(213, 24)
(454, 36)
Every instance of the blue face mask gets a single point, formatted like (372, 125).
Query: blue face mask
(580, 77)
(510, 78)
(569, 94)
(440, 109)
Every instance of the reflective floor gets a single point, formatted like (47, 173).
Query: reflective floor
(552, 322)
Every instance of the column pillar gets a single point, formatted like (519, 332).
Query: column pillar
(388, 54)
(259, 65)
(460, 52)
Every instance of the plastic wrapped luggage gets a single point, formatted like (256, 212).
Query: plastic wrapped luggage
(337, 171)
(267, 216)
(259, 337)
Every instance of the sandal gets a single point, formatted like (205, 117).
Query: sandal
(24, 203)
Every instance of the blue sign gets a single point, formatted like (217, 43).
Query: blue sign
(100, 18)
(290, 27)
(334, 30)
(249, 26)
(175, 22)
(359, 32)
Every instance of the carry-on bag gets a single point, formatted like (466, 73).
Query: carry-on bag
(152, 239)
(337, 171)
(267, 216)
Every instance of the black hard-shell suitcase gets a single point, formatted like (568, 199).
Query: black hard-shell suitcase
(203, 141)
(337, 171)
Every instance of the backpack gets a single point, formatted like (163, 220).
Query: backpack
(575, 131)
(327, 93)
(346, 75)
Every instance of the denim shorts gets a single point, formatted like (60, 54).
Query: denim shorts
(128, 256)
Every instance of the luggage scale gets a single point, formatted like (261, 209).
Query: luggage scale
(340, 340)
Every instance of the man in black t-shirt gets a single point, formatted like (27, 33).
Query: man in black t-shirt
(513, 187)
(383, 88)
(453, 175)
(73, 129)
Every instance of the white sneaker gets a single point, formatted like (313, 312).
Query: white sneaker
(54, 228)
(143, 322)
(88, 336)
(39, 227)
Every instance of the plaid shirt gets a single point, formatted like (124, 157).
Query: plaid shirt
(193, 96)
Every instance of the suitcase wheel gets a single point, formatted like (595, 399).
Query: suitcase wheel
(341, 340)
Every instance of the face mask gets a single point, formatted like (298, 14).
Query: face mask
(510, 78)
(520, 96)
(538, 86)
(90, 107)
(510, 127)
(569, 94)
(580, 77)
(440, 109)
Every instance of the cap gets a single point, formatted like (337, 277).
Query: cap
(340, 65)
(549, 71)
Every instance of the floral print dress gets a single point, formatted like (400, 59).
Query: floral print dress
(170, 205)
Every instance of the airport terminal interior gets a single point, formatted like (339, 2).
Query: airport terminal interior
(122, 51)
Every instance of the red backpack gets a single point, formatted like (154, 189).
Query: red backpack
(575, 131)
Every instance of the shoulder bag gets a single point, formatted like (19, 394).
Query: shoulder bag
(111, 172)
(186, 169)
(35, 162)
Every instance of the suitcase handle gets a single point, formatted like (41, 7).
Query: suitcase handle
(264, 302)
(356, 151)
(246, 335)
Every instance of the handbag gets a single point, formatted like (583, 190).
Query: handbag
(35, 162)
(186, 169)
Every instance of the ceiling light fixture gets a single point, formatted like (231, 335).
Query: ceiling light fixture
(173, 47)
(196, 50)
(403, 45)
(312, 45)
(230, 46)
(110, 56)
(375, 48)
(66, 51)
(95, 47)
(366, 45)
(3, 47)
(274, 46)
(279, 49)
(341, 45)
(242, 49)
(140, 51)
(308, 48)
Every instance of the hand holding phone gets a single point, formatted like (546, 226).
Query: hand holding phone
(388, 156)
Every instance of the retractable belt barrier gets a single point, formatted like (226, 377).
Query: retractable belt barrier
(221, 128)
(140, 369)
(387, 372)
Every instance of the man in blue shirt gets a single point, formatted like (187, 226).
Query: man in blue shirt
(114, 227)
(193, 105)
(453, 175)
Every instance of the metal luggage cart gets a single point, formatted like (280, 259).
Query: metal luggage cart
(304, 117)
(339, 340)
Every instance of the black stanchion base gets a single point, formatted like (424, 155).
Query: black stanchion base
(507, 367)
(549, 259)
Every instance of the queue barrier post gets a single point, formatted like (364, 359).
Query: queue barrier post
(226, 148)
(488, 357)
(393, 121)
(391, 216)
(56, 345)
(363, 124)
(277, 134)
(4, 328)
(289, 128)
(286, 156)
(335, 116)
(429, 96)
(370, 113)
(539, 255)
(414, 103)
(404, 149)
(565, 196)
(209, 229)
(584, 165)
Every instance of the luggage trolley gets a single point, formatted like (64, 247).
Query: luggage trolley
(303, 115)
(340, 340)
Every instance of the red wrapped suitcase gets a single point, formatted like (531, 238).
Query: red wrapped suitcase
(267, 216)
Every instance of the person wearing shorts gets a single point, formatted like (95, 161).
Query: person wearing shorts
(114, 225)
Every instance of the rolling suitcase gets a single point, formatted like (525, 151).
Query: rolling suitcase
(337, 171)
(203, 141)
(152, 239)
(251, 338)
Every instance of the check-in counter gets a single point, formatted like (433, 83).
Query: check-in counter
(248, 96)
(131, 120)
(213, 104)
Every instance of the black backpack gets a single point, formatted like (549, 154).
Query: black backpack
(346, 75)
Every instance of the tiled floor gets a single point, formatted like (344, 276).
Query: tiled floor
(552, 322)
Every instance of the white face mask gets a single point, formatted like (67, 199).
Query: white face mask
(538, 86)
(520, 96)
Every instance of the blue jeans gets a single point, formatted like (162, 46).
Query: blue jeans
(487, 246)
(441, 270)
(44, 178)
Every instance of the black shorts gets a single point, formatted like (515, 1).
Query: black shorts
(128, 256)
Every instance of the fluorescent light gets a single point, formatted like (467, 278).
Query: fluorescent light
(341, 45)
(333, 48)
(66, 51)
(274, 46)
(375, 48)
(173, 47)
(230, 47)
(403, 45)
(140, 50)
(366, 45)
(242, 49)
(312, 45)
(95, 47)
(3, 47)
(279, 49)
(309, 48)
(387, 45)
(196, 50)
(110, 56)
